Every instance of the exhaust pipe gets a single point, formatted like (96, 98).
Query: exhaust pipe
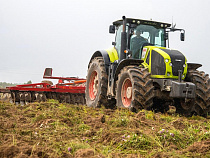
(123, 40)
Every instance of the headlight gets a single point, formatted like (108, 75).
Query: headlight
(170, 64)
(184, 65)
(166, 60)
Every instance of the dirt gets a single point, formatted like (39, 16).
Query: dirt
(83, 153)
(202, 147)
(178, 124)
(50, 129)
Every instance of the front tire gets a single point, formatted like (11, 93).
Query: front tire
(134, 88)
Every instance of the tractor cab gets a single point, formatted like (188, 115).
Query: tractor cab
(140, 33)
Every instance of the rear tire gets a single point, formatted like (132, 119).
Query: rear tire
(202, 100)
(96, 85)
(134, 88)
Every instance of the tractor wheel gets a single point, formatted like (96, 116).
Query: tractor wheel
(134, 89)
(96, 85)
(202, 100)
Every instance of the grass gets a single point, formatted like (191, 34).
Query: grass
(52, 129)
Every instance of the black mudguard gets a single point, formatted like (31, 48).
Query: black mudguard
(127, 62)
(104, 54)
(193, 66)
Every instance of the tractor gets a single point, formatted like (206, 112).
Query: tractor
(140, 71)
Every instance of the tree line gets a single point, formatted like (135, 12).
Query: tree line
(5, 84)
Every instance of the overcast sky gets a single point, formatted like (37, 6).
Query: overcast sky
(63, 34)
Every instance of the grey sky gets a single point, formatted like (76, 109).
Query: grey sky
(63, 34)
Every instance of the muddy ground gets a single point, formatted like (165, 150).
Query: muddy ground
(52, 129)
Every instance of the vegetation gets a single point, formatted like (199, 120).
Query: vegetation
(53, 129)
(5, 84)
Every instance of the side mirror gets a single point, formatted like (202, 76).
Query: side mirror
(114, 43)
(182, 36)
(111, 29)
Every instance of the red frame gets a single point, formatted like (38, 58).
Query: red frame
(75, 85)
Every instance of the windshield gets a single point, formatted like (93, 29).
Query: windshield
(146, 35)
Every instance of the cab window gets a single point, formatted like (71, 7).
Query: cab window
(118, 39)
(145, 35)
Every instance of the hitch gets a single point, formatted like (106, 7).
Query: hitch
(180, 75)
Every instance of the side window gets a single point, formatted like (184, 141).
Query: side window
(118, 39)
(159, 40)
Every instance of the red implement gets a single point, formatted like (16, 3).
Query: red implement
(71, 92)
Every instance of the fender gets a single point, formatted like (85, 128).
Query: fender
(126, 62)
(105, 55)
(193, 66)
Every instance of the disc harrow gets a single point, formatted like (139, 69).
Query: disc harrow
(72, 92)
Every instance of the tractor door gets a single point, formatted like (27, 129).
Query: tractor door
(118, 39)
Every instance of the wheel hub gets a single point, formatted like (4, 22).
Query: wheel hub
(126, 92)
(93, 85)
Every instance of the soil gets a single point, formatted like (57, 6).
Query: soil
(50, 129)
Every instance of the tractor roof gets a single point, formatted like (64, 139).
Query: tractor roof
(140, 21)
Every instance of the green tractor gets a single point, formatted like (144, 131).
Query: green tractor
(142, 72)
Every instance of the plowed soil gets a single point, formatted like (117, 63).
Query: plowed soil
(52, 129)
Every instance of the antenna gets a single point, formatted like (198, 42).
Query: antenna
(173, 25)
(172, 20)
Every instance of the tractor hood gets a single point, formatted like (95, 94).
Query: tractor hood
(164, 62)
(177, 60)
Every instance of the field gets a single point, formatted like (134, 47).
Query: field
(52, 129)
